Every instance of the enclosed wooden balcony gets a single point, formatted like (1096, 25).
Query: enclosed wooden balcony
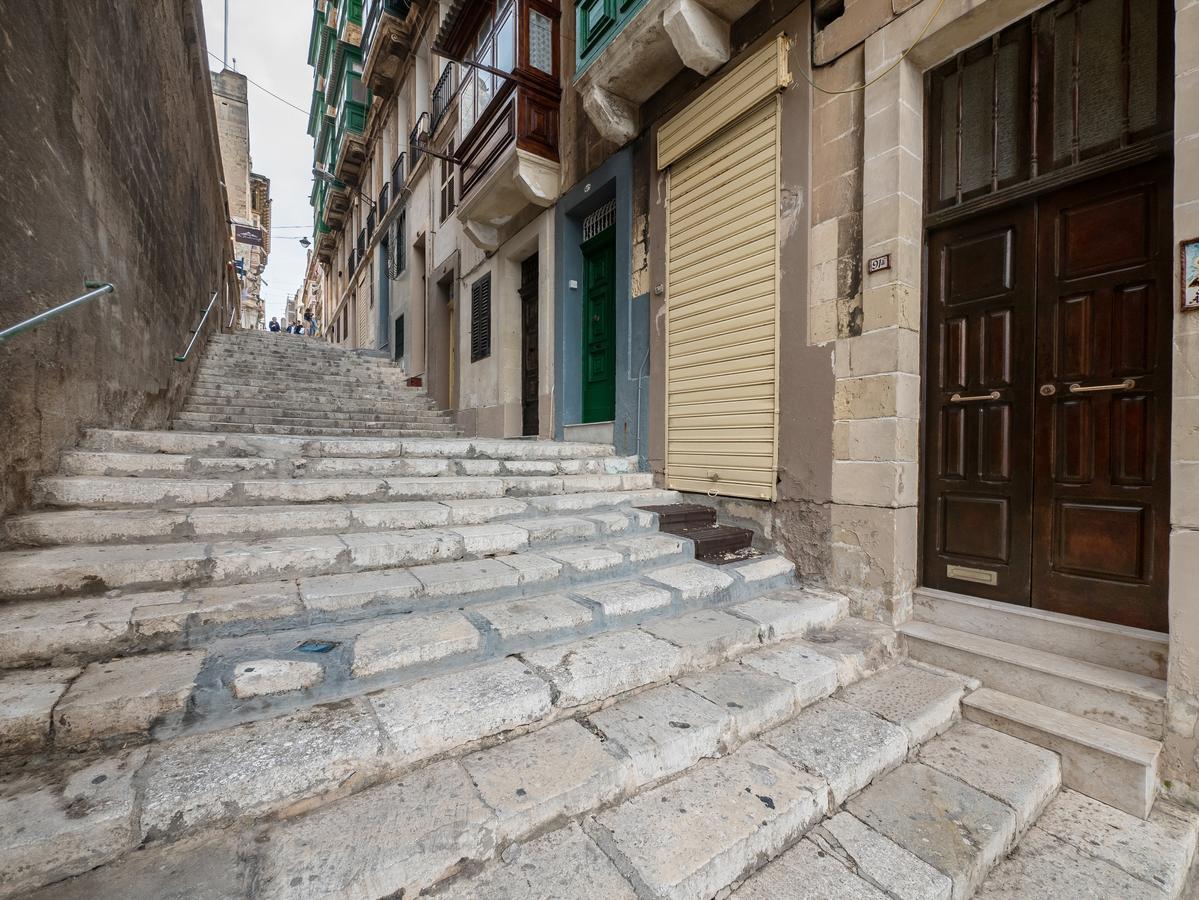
(386, 40)
(508, 108)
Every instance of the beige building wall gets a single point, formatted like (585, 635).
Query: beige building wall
(866, 201)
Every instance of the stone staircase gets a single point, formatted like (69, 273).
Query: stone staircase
(268, 383)
(247, 664)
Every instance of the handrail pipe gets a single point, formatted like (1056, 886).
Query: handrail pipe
(98, 289)
(196, 331)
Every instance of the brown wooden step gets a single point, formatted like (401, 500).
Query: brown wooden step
(682, 515)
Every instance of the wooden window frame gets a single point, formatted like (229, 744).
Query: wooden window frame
(480, 318)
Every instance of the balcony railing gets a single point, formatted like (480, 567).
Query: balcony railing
(397, 174)
(415, 144)
(361, 248)
(370, 227)
(384, 199)
(351, 263)
(443, 93)
(374, 14)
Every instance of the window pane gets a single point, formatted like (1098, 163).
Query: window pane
(483, 91)
(505, 42)
(1100, 104)
(949, 139)
(541, 51)
(977, 107)
(467, 105)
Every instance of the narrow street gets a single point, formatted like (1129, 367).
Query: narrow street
(713, 450)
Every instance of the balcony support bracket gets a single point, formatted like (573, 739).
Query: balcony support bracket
(700, 37)
(615, 118)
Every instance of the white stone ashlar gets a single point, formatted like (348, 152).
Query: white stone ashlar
(616, 119)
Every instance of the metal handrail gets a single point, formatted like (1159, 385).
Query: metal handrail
(98, 288)
(196, 331)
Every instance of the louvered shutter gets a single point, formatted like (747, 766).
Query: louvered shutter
(480, 319)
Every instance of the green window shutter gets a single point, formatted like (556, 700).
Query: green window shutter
(480, 319)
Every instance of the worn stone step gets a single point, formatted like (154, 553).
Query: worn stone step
(963, 803)
(313, 431)
(224, 681)
(1081, 848)
(102, 492)
(160, 465)
(301, 375)
(314, 421)
(88, 628)
(330, 550)
(106, 440)
(492, 798)
(1114, 766)
(1103, 643)
(207, 400)
(1124, 700)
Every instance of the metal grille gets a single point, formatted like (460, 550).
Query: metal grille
(600, 220)
(395, 247)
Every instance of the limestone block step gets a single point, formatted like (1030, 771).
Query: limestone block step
(1114, 766)
(1114, 646)
(313, 421)
(104, 492)
(1124, 700)
(222, 389)
(483, 805)
(331, 550)
(208, 401)
(963, 804)
(1082, 848)
(308, 430)
(206, 444)
(284, 415)
(273, 376)
(146, 465)
(38, 632)
(120, 526)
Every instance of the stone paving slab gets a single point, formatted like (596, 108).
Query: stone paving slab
(754, 701)
(535, 616)
(546, 777)
(263, 677)
(564, 865)
(391, 840)
(952, 826)
(26, 701)
(845, 746)
(125, 696)
(426, 717)
(1043, 866)
(858, 647)
(603, 666)
(879, 860)
(806, 872)
(791, 613)
(813, 674)
(693, 836)
(923, 703)
(412, 641)
(693, 581)
(1015, 772)
(707, 637)
(664, 730)
(626, 598)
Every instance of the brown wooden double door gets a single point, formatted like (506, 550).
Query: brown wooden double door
(1047, 401)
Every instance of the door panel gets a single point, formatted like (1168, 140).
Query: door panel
(528, 342)
(977, 471)
(1101, 495)
(599, 328)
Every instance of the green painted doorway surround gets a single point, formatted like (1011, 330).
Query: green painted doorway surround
(599, 327)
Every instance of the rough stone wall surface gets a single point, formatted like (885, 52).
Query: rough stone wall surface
(111, 172)
(1181, 759)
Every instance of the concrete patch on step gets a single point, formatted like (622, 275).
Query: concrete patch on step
(261, 677)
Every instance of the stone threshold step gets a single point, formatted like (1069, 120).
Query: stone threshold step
(104, 492)
(225, 682)
(168, 465)
(73, 570)
(104, 440)
(307, 430)
(63, 632)
(1113, 697)
(1114, 766)
(250, 771)
(1104, 643)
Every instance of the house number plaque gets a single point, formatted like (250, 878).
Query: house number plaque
(878, 263)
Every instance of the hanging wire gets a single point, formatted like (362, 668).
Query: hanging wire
(888, 70)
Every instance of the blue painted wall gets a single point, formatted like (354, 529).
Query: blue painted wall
(613, 179)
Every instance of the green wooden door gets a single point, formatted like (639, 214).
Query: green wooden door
(599, 328)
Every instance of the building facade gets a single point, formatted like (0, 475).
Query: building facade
(249, 193)
(896, 283)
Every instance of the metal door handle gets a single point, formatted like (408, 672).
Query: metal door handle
(958, 398)
(1126, 385)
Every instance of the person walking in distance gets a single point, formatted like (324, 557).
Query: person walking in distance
(310, 321)
(274, 326)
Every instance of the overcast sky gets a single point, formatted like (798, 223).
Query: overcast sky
(269, 40)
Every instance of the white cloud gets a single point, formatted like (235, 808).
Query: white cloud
(269, 41)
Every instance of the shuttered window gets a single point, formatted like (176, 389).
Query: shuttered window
(480, 319)
(722, 288)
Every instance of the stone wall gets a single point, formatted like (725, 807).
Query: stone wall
(110, 172)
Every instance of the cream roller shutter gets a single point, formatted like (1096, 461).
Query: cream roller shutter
(722, 305)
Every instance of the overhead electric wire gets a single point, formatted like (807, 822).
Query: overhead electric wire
(261, 88)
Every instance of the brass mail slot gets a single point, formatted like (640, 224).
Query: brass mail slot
(978, 576)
